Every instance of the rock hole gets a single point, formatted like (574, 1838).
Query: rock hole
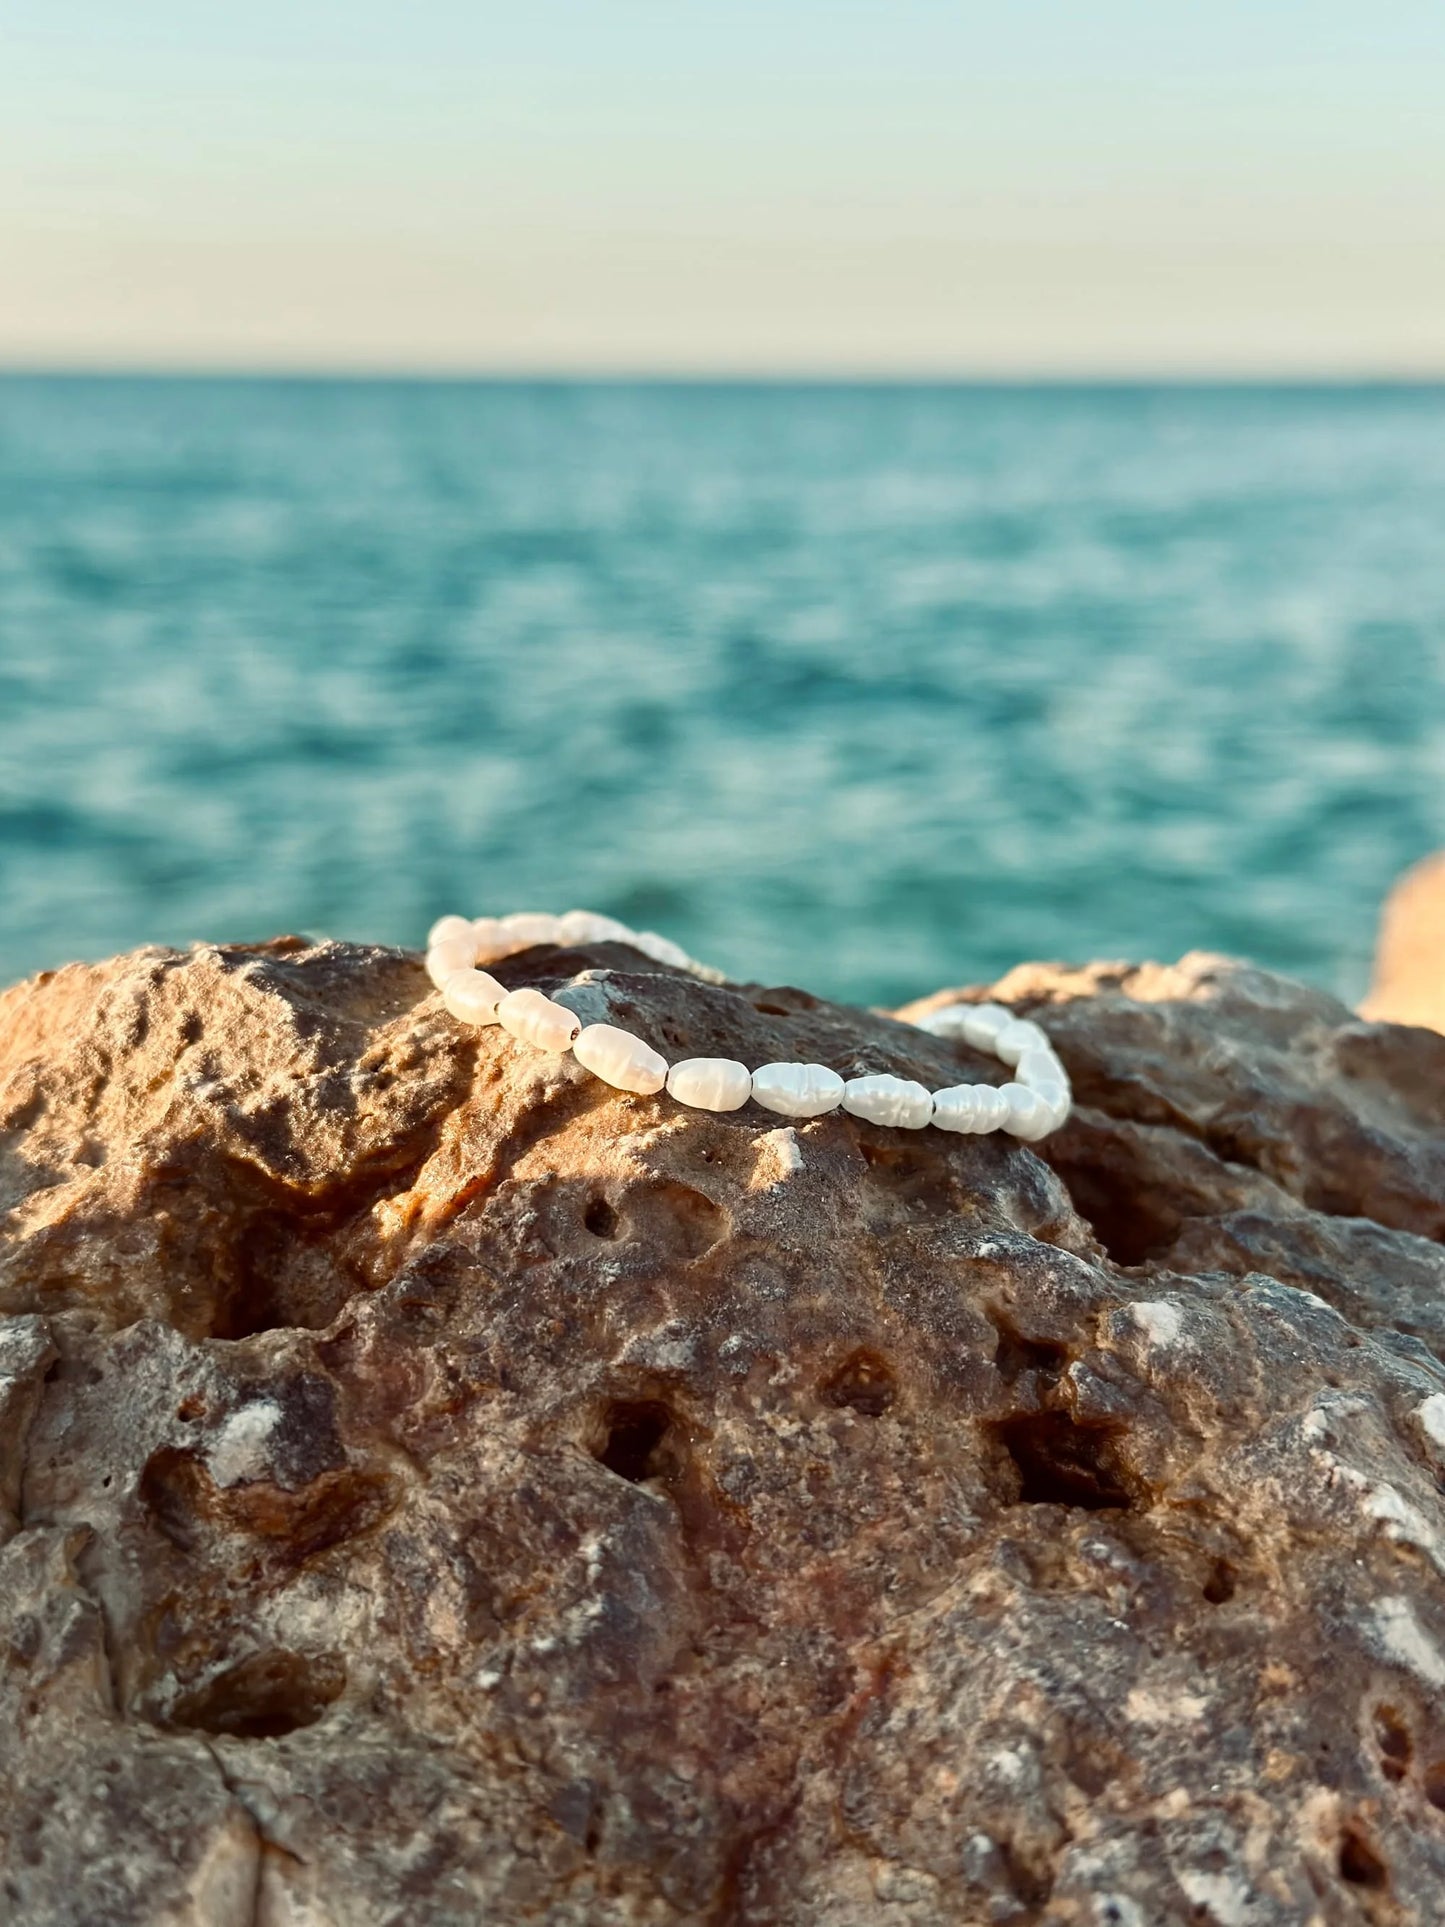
(783, 1000)
(600, 1219)
(916, 1179)
(1392, 1737)
(190, 1408)
(636, 1431)
(1359, 1862)
(1132, 1225)
(1032, 1882)
(1435, 1785)
(863, 1383)
(1014, 1354)
(1065, 1461)
(1222, 1582)
(170, 1489)
(677, 1219)
(265, 1696)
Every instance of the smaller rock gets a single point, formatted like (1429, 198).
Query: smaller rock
(1409, 982)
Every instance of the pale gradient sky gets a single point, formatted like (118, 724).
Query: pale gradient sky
(900, 186)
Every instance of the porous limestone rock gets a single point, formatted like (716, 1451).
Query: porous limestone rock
(436, 1488)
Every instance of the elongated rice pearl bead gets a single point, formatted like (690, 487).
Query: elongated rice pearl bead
(661, 949)
(958, 1107)
(536, 1020)
(894, 1101)
(444, 959)
(445, 927)
(947, 1021)
(620, 1059)
(493, 940)
(531, 927)
(981, 1023)
(1039, 1062)
(589, 926)
(472, 996)
(1017, 1037)
(797, 1090)
(1043, 1072)
(710, 1083)
(1028, 1116)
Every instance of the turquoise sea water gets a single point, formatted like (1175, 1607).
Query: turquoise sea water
(868, 689)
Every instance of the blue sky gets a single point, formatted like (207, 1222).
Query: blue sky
(911, 188)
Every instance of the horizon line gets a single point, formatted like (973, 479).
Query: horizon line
(483, 375)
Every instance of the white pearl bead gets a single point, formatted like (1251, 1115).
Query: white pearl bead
(494, 940)
(444, 959)
(529, 928)
(981, 1023)
(589, 926)
(1039, 1062)
(947, 1021)
(893, 1101)
(472, 996)
(1018, 1036)
(620, 1059)
(536, 1020)
(1043, 1072)
(445, 927)
(710, 1083)
(1060, 1106)
(661, 949)
(797, 1090)
(1030, 1117)
(963, 1107)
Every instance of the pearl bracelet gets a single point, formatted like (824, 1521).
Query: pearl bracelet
(1036, 1102)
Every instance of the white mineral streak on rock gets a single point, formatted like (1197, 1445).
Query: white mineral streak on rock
(1117, 1910)
(1157, 1319)
(536, 1020)
(1402, 1521)
(223, 1884)
(781, 1156)
(1429, 1416)
(1028, 1117)
(1225, 1897)
(1401, 1638)
(969, 1107)
(620, 1059)
(896, 1102)
(446, 927)
(472, 996)
(444, 959)
(239, 1450)
(797, 1090)
(710, 1083)
(1155, 1709)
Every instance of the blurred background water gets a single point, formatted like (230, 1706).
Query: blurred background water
(869, 689)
